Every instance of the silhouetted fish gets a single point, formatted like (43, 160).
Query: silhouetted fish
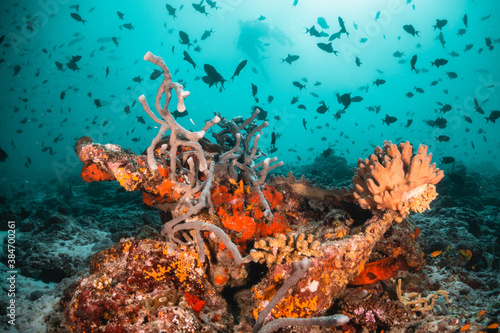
(440, 24)
(389, 120)
(411, 30)
(188, 58)
(239, 68)
(77, 17)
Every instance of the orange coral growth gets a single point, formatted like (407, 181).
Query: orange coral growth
(220, 195)
(166, 188)
(243, 224)
(150, 199)
(383, 269)
(91, 173)
(194, 302)
(273, 197)
(279, 225)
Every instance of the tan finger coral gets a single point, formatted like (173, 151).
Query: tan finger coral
(394, 178)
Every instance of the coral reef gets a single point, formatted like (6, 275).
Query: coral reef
(221, 214)
(394, 178)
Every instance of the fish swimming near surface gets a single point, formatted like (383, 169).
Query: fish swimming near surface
(389, 120)
(440, 24)
(494, 115)
(213, 77)
(77, 17)
(440, 37)
(254, 92)
(3, 155)
(322, 108)
(184, 38)
(156, 74)
(171, 10)
(120, 15)
(357, 61)
(411, 30)
(327, 48)
(398, 54)
(334, 36)
(129, 26)
(239, 68)
(212, 4)
(299, 85)
(207, 34)
(465, 20)
(413, 61)
(322, 23)
(443, 138)
(200, 8)
(188, 58)
(290, 58)
(378, 82)
(312, 31)
(439, 62)
(342, 30)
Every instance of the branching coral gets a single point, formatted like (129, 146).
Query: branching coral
(394, 178)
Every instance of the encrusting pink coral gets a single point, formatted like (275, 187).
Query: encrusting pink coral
(396, 179)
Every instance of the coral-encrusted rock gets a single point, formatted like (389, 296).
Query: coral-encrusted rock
(394, 178)
(326, 278)
(147, 286)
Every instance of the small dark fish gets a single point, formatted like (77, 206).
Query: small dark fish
(188, 58)
(77, 18)
(107, 71)
(439, 62)
(212, 4)
(171, 10)
(448, 160)
(63, 93)
(433, 83)
(3, 155)
(127, 110)
(295, 99)
(334, 36)
(443, 138)
(290, 58)
(413, 62)
(178, 114)
(299, 85)
(419, 90)
(200, 8)
(468, 119)
(440, 123)
(120, 15)
(128, 26)
(445, 108)
(494, 115)
(262, 113)
(389, 120)
(461, 32)
(156, 74)
(468, 47)
(184, 38)
(254, 92)
(206, 34)
(411, 30)
(489, 43)
(239, 68)
(398, 54)
(302, 107)
(261, 18)
(141, 119)
(59, 65)
(344, 99)
(73, 66)
(378, 82)
(304, 122)
(137, 79)
(270, 99)
(342, 27)
(97, 103)
(451, 75)
(408, 123)
(465, 20)
(115, 40)
(440, 24)
(17, 69)
(484, 18)
(327, 48)
(322, 108)
(322, 23)
(312, 31)
(357, 61)
(441, 39)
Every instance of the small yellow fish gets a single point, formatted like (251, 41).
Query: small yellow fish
(435, 254)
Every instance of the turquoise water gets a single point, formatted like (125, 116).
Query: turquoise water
(45, 110)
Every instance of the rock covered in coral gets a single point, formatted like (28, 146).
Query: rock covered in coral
(396, 179)
(146, 286)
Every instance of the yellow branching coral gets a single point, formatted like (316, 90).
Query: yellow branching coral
(396, 179)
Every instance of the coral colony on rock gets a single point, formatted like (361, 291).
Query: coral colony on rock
(212, 229)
